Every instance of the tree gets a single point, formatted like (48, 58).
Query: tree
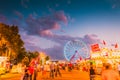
(21, 55)
(47, 58)
(25, 61)
(13, 41)
(32, 55)
(35, 54)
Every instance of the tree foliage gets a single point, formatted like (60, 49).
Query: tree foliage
(15, 44)
(14, 41)
(32, 55)
(47, 58)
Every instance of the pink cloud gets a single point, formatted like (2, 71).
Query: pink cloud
(56, 26)
(41, 25)
(61, 16)
(46, 33)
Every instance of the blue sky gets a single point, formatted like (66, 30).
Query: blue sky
(46, 25)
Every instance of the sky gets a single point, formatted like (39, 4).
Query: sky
(47, 25)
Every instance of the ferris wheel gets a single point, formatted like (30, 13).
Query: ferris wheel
(76, 50)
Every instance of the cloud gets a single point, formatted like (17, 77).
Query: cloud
(46, 33)
(60, 16)
(37, 25)
(54, 45)
(91, 39)
(63, 31)
(38, 33)
(32, 48)
(37, 42)
(18, 20)
(57, 52)
(43, 25)
(3, 18)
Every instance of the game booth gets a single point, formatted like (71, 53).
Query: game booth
(105, 55)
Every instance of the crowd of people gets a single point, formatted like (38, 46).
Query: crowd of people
(51, 70)
(37, 71)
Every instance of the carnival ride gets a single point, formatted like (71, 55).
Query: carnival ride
(76, 50)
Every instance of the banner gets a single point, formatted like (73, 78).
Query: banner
(104, 43)
(95, 48)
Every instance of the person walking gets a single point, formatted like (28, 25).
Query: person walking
(92, 73)
(35, 73)
(22, 71)
(52, 70)
(109, 73)
(57, 70)
(31, 71)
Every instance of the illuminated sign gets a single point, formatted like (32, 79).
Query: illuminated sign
(95, 48)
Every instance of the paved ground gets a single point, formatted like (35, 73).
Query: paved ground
(10, 76)
(74, 75)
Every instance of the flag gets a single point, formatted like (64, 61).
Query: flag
(80, 58)
(104, 42)
(116, 45)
